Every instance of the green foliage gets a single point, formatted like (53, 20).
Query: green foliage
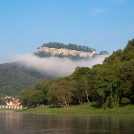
(83, 109)
(60, 92)
(14, 77)
(125, 101)
(31, 97)
(70, 46)
(2, 101)
(55, 106)
(109, 84)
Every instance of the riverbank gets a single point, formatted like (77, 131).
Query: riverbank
(84, 109)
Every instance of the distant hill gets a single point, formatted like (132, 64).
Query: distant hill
(71, 51)
(14, 77)
(103, 53)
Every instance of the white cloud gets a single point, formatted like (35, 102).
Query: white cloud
(55, 66)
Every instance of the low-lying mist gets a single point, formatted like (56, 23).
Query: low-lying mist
(54, 66)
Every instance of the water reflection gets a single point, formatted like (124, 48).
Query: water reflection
(22, 123)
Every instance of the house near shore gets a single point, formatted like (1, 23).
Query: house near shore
(13, 102)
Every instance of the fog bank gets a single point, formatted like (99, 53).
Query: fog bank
(55, 66)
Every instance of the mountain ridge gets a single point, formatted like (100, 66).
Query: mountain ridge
(64, 52)
(71, 51)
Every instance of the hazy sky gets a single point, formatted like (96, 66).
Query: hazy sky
(100, 24)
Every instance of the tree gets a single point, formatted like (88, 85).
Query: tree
(80, 75)
(106, 86)
(30, 97)
(60, 92)
(2, 101)
(126, 77)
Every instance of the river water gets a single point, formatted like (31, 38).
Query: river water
(23, 123)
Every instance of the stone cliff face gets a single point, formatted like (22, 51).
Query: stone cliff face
(64, 52)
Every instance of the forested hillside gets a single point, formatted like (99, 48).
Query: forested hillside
(109, 85)
(14, 77)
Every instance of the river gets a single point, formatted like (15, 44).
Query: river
(24, 123)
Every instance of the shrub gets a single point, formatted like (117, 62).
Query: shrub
(125, 101)
(55, 106)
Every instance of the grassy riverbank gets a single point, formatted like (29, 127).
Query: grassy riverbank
(84, 109)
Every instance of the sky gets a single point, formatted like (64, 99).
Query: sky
(101, 24)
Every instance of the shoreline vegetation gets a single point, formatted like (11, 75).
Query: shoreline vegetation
(83, 109)
(109, 85)
(106, 88)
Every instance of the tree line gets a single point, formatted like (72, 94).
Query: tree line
(109, 85)
(70, 46)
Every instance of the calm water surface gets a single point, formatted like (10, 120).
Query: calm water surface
(22, 123)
